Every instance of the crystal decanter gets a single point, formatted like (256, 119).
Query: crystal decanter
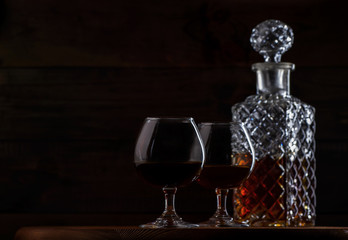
(281, 189)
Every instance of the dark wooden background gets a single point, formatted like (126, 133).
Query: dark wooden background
(78, 77)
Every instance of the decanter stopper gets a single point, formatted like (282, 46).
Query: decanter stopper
(271, 39)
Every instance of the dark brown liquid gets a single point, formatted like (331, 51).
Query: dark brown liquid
(174, 174)
(223, 176)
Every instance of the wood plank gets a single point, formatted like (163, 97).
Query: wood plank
(52, 233)
(109, 103)
(167, 33)
(10, 223)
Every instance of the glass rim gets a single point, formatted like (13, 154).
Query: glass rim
(220, 123)
(170, 118)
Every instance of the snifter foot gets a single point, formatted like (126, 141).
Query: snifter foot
(222, 221)
(169, 218)
(175, 222)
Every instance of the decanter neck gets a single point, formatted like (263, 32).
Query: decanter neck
(273, 78)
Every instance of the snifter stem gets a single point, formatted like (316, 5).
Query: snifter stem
(221, 197)
(169, 203)
(221, 218)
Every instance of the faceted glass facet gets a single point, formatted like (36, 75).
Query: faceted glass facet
(271, 39)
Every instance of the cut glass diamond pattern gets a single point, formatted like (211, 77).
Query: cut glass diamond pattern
(281, 189)
(278, 130)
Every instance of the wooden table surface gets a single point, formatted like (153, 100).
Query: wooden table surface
(133, 232)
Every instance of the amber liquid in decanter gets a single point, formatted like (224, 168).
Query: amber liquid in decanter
(262, 194)
(261, 199)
